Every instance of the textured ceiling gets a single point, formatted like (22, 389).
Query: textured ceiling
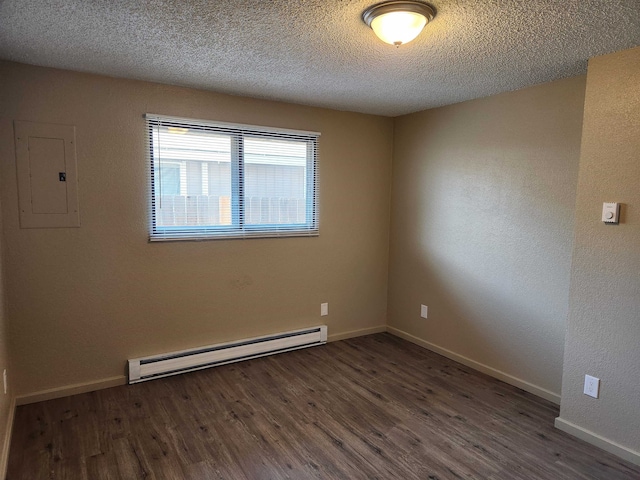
(319, 52)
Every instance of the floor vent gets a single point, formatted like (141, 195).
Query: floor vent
(157, 366)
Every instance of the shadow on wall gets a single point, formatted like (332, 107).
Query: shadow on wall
(487, 245)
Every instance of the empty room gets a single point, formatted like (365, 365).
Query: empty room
(320, 239)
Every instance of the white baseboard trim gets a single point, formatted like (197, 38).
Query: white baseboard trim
(67, 390)
(4, 460)
(481, 367)
(597, 440)
(356, 333)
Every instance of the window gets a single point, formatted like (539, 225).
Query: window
(220, 180)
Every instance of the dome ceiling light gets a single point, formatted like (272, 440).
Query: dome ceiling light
(398, 22)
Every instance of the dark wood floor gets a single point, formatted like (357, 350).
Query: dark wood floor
(365, 408)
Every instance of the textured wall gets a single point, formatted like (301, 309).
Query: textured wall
(84, 300)
(603, 334)
(482, 219)
(6, 412)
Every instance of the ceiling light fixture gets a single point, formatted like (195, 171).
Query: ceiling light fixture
(398, 22)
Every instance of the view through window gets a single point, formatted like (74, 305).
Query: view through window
(212, 180)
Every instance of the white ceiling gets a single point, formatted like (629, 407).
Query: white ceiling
(319, 52)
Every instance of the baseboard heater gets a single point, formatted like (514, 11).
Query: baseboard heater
(157, 366)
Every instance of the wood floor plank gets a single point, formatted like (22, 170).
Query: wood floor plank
(364, 408)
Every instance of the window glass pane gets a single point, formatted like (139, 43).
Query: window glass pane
(275, 181)
(194, 167)
(223, 180)
(169, 179)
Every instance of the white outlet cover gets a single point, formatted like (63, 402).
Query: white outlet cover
(591, 386)
(424, 311)
(324, 309)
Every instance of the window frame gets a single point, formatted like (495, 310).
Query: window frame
(239, 227)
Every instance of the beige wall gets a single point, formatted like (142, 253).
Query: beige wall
(482, 220)
(82, 301)
(603, 335)
(6, 401)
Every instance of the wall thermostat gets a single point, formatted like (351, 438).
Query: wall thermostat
(610, 212)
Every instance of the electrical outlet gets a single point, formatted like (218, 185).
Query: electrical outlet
(4, 380)
(324, 309)
(424, 311)
(591, 386)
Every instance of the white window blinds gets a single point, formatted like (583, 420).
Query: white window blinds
(220, 180)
